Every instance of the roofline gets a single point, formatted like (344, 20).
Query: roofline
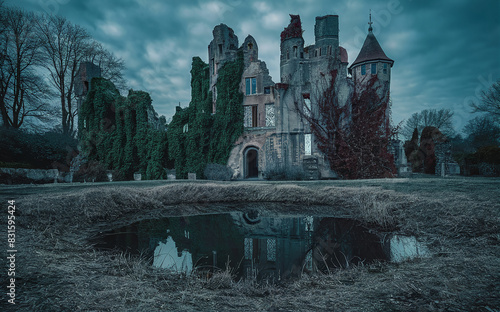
(372, 61)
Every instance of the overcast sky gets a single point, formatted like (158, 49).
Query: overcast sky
(445, 52)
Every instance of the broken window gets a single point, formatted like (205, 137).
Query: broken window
(270, 115)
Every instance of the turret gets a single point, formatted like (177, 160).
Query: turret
(326, 33)
(222, 48)
(371, 61)
(292, 48)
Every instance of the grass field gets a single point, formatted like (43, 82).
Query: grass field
(457, 218)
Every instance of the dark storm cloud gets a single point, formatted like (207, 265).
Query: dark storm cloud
(445, 52)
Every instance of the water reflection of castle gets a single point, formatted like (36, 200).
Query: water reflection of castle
(275, 248)
(254, 247)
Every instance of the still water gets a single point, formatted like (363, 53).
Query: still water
(257, 247)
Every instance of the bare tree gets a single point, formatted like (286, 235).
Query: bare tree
(354, 137)
(65, 46)
(482, 131)
(489, 101)
(441, 119)
(23, 92)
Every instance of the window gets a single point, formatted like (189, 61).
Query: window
(267, 90)
(185, 129)
(294, 51)
(220, 49)
(315, 53)
(329, 50)
(254, 116)
(270, 115)
(287, 54)
(250, 86)
(307, 108)
(374, 69)
(385, 68)
(307, 144)
(250, 118)
(319, 51)
(301, 54)
(363, 69)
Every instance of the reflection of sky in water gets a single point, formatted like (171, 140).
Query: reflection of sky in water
(167, 257)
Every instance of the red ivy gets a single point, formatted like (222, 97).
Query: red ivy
(293, 30)
(355, 138)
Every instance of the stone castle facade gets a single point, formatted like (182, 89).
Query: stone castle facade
(276, 132)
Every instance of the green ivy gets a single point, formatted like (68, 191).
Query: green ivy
(115, 132)
(209, 138)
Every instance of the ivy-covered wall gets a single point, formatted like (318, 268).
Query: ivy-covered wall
(114, 130)
(196, 137)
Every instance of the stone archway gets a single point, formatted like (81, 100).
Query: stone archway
(251, 163)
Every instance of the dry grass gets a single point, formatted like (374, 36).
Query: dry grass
(458, 219)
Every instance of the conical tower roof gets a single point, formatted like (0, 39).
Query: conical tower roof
(371, 50)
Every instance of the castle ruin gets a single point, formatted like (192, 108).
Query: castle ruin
(276, 132)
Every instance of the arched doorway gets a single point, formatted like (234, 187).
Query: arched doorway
(251, 163)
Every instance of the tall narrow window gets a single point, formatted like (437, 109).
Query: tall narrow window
(220, 49)
(307, 107)
(247, 121)
(250, 86)
(385, 68)
(374, 69)
(270, 115)
(294, 51)
(287, 54)
(254, 116)
(307, 144)
(363, 69)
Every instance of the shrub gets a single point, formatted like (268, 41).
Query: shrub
(280, 172)
(50, 150)
(93, 171)
(218, 172)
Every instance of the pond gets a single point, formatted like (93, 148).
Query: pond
(257, 247)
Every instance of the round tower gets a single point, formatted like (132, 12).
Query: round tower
(292, 49)
(371, 62)
(326, 33)
(222, 48)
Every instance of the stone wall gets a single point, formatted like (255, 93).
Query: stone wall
(29, 176)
